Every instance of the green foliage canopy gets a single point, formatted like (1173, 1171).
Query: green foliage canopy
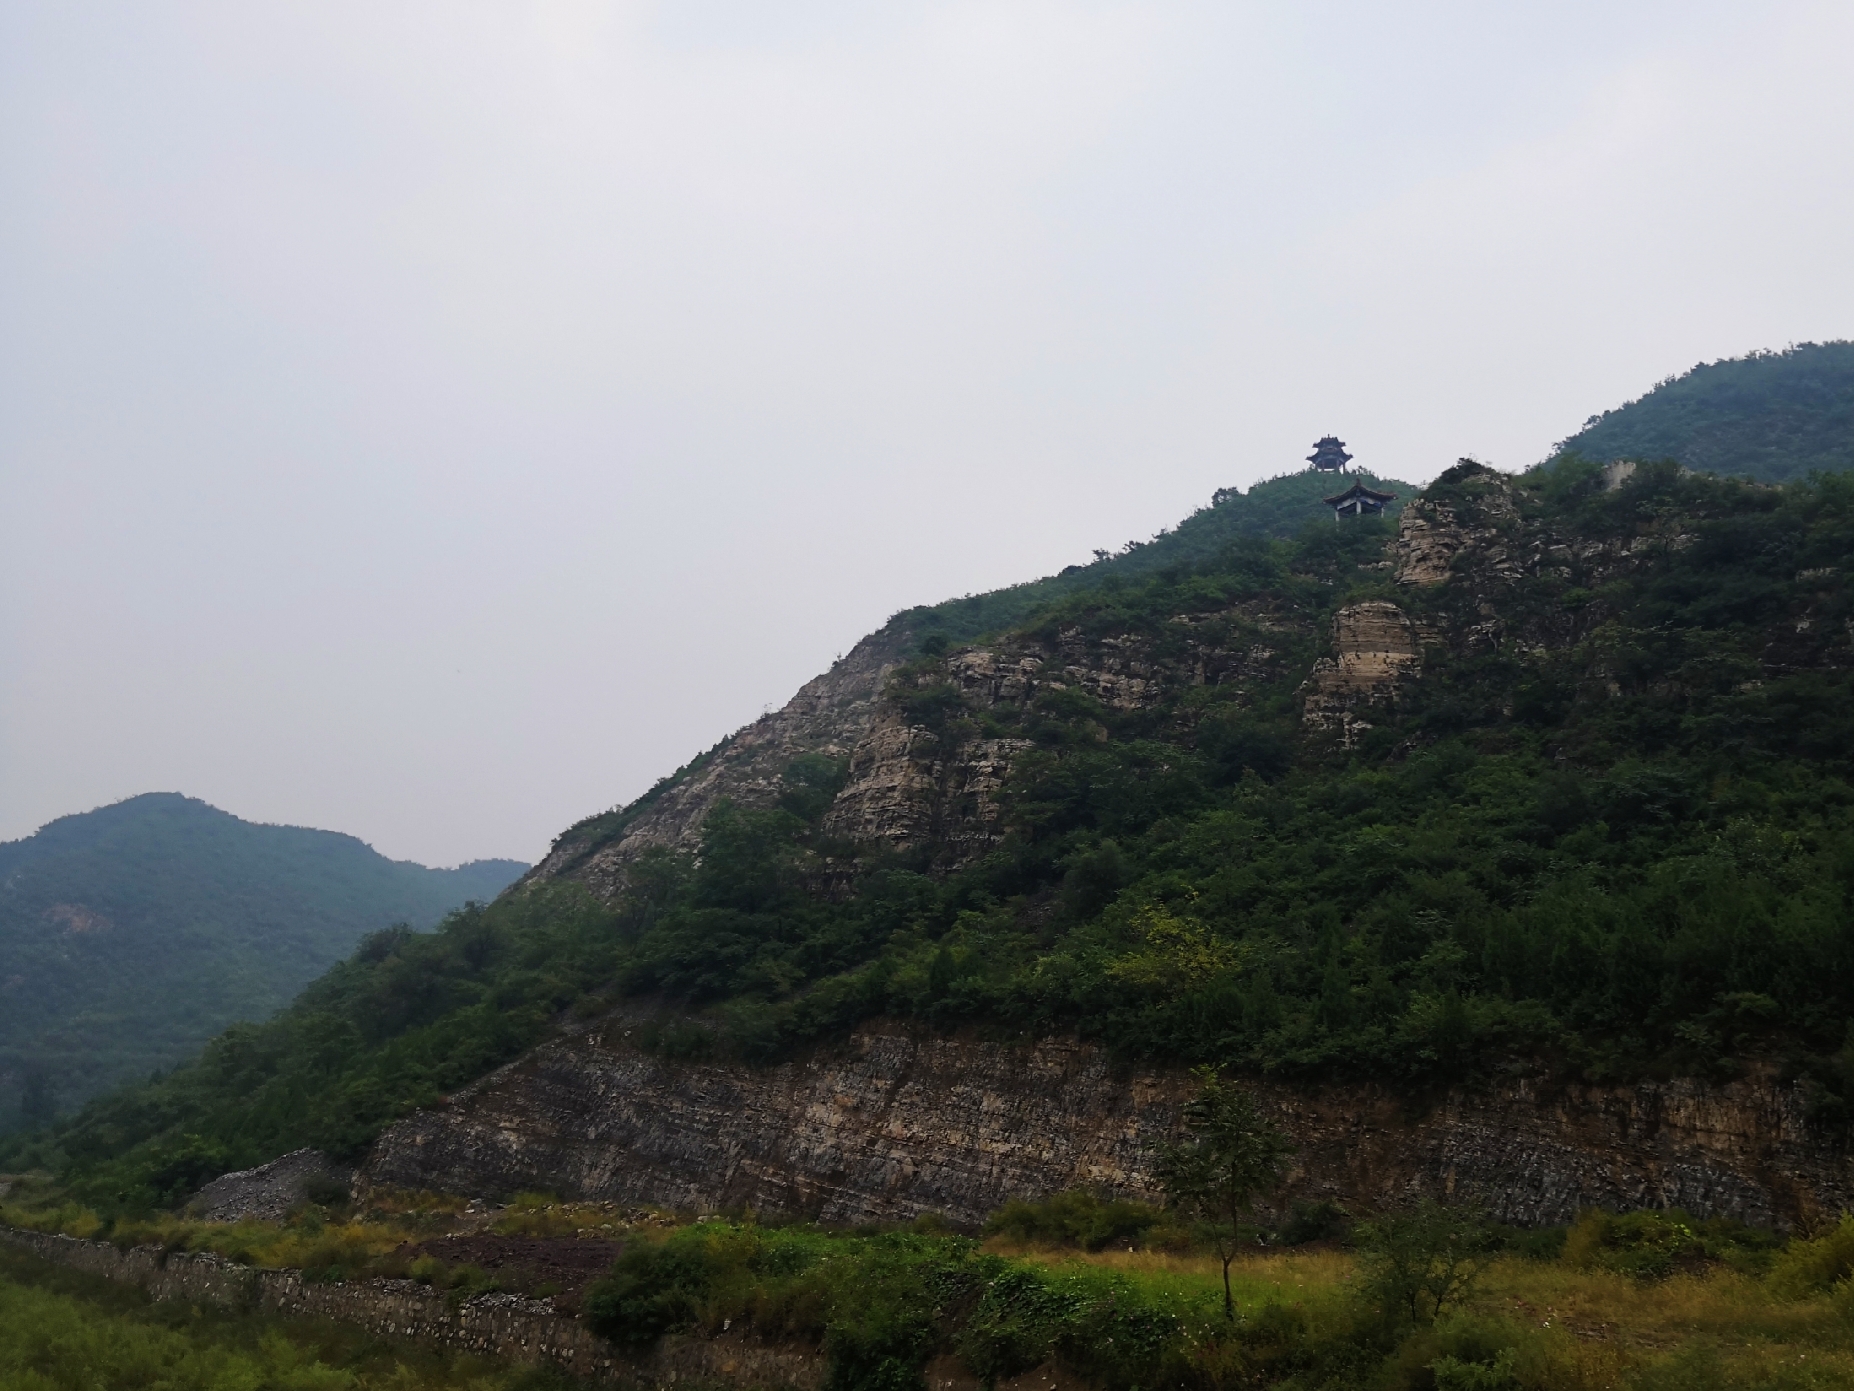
(1230, 1156)
(130, 935)
(1775, 417)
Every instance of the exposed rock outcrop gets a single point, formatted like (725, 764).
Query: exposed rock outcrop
(911, 783)
(830, 715)
(1376, 649)
(897, 1122)
(1434, 535)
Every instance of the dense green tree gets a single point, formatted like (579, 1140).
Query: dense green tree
(1774, 417)
(1230, 1156)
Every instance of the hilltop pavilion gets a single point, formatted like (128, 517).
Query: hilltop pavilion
(1329, 455)
(1359, 501)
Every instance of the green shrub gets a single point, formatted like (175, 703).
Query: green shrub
(1078, 1217)
(1533, 1243)
(651, 1291)
(1415, 1266)
(1453, 1374)
(1324, 1220)
(75, 1336)
(1808, 1267)
(1651, 1245)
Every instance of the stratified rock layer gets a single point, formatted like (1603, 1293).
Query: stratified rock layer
(1376, 648)
(898, 1122)
(829, 716)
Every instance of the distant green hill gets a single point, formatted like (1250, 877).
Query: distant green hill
(131, 934)
(1772, 417)
(1277, 509)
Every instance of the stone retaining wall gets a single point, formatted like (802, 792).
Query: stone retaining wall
(492, 1325)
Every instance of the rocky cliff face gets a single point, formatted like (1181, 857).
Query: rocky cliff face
(830, 715)
(913, 780)
(916, 780)
(896, 1122)
(1377, 650)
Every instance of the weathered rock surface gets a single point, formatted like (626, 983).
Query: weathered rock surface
(911, 784)
(1376, 649)
(829, 716)
(1435, 538)
(894, 1124)
(897, 1122)
(267, 1192)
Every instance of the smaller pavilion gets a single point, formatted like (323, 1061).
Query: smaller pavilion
(1359, 501)
(1329, 455)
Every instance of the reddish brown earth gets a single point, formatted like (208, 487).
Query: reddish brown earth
(569, 1264)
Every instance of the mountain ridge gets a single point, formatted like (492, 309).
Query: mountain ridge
(1539, 782)
(839, 701)
(1771, 416)
(132, 933)
(1366, 803)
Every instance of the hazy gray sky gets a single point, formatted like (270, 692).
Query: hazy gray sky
(436, 421)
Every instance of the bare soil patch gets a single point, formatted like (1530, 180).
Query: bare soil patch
(564, 1265)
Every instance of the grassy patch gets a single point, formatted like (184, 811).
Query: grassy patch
(1643, 1301)
(60, 1329)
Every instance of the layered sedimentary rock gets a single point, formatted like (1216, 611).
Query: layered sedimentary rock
(1376, 648)
(829, 716)
(913, 783)
(897, 1122)
(1435, 538)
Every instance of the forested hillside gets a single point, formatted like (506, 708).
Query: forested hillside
(131, 934)
(1557, 781)
(1770, 416)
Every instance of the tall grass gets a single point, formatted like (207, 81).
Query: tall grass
(63, 1332)
(1640, 1303)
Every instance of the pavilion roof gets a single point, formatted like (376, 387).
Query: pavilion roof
(1359, 490)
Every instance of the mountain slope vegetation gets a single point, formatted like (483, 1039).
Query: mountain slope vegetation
(1586, 808)
(1275, 509)
(1769, 416)
(131, 934)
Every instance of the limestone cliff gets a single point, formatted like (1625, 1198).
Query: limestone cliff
(897, 1121)
(923, 780)
(830, 715)
(1377, 649)
(916, 780)
(913, 781)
